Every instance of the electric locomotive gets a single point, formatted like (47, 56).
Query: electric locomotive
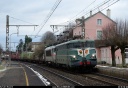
(73, 53)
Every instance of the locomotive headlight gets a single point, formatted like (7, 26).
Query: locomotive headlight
(93, 56)
(74, 56)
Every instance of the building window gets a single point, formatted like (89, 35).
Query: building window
(99, 21)
(99, 34)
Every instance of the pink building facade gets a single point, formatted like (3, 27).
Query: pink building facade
(93, 29)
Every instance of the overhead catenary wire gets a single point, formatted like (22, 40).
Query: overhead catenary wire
(45, 18)
(21, 20)
(83, 9)
(109, 2)
(56, 5)
(49, 15)
(32, 24)
(93, 9)
(98, 7)
(72, 19)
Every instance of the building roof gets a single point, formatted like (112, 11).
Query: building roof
(94, 15)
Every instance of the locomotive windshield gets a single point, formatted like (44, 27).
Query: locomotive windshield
(89, 44)
(81, 44)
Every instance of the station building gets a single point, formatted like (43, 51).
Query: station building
(93, 26)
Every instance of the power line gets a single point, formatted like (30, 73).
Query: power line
(49, 15)
(109, 2)
(71, 19)
(84, 9)
(98, 7)
(21, 20)
(87, 12)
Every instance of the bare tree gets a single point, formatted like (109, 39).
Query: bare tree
(110, 35)
(122, 37)
(39, 51)
(115, 36)
(20, 46)
(48, 38)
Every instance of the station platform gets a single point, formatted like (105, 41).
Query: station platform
(113, 71)
(16, 74)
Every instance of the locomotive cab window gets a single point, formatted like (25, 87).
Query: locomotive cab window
(81, 44)
(126, 50)
(55, 49)
(89, 44)
(48, 53)
(61, 47)
(78, 45)
(126, 55)
(70, 45)
(75, 45)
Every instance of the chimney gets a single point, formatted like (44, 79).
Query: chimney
(77, 21)
(90, 13)
(108, 13)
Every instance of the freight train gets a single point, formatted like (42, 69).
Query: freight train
(15, 56)
(71, 54)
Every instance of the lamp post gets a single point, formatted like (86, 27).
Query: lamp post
(10, 39)
(10, 49)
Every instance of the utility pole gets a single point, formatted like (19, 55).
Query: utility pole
(7, 33)
(83, 28)
(7, 36)
(57, 26)
(7, 40)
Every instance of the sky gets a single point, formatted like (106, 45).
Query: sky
(35, 12)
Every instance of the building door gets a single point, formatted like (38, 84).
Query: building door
(105, 55)
(102, 55)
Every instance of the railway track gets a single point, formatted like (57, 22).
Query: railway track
(104, 81)
(84, 78)
(63, 77)
(72, 77)
(55, 76)
(114, 81)
(110, 80)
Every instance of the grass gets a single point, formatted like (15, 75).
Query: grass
(1, 67)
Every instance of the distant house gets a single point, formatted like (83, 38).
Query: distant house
(94, 25)
(34, 45)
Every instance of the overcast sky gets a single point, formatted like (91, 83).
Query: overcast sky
(28, 12)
